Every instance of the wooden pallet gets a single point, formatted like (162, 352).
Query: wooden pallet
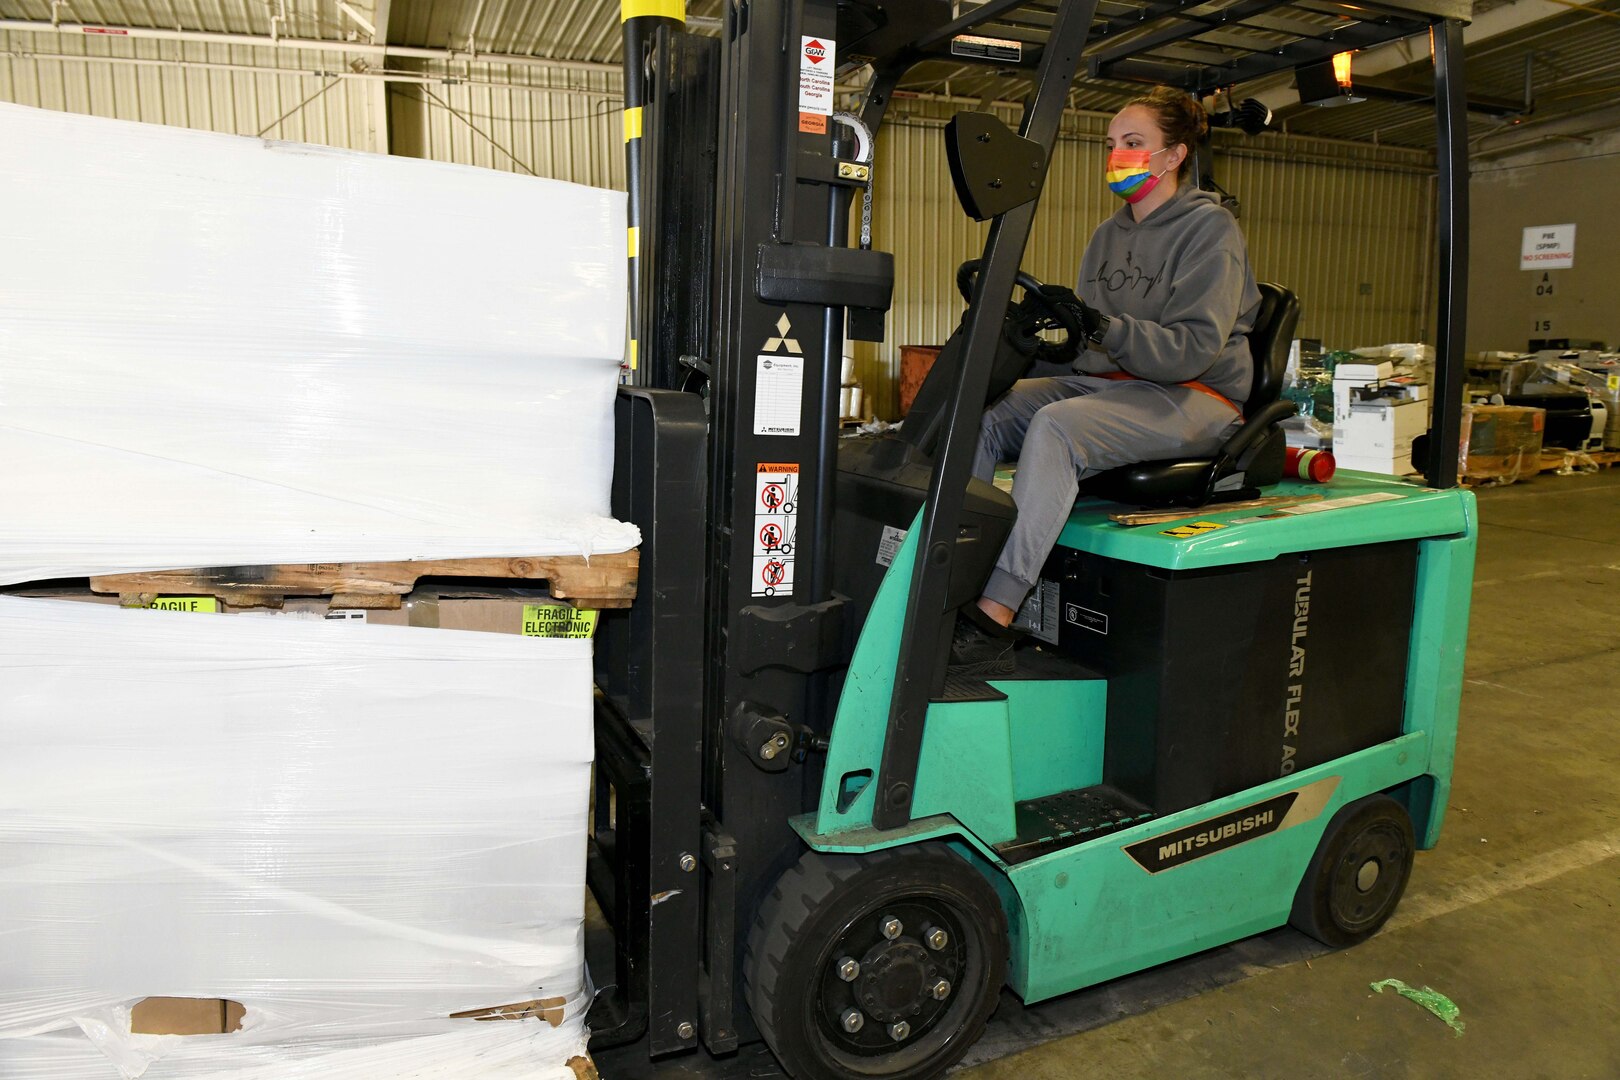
(1495, 469)
(1553, 460)
(601, 581)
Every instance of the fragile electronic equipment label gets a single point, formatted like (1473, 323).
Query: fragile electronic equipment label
(776, 516)
(184, 603)
(817, 58)
(557, 620)
(778, 394)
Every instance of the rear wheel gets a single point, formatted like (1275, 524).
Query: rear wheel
(884, 965)
(1358, 874)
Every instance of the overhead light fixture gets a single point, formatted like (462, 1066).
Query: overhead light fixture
(1341, 70)
(1327, 82)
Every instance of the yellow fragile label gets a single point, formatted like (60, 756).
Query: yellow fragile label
(184, 603)
(1181, 532)
(557, 621)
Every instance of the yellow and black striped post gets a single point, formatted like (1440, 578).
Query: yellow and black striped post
(641, 19)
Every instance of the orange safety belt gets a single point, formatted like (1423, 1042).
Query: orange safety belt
(1193, 384)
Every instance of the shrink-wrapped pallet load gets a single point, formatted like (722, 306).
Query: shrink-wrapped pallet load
(217, 350)
(225, 352)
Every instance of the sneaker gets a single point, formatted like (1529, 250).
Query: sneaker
(980, 649)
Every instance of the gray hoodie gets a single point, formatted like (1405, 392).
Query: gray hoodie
(1179, 292)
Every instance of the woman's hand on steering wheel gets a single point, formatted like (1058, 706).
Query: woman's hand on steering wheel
(1044, 307)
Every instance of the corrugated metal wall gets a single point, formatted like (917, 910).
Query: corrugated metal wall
(514, 119)
(1347, 227)
(168, 82)
(1323, 218)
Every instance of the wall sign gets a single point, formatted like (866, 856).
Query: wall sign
(1548, 247)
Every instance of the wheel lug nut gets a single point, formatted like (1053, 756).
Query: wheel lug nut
(899, 1030)
(936, 938)
(853, 1020)
(848, 969)
(942, 990)
(891, 927)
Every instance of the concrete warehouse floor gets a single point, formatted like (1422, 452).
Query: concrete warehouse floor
(1513, 916)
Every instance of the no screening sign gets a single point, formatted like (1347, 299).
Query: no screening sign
(1548, 247)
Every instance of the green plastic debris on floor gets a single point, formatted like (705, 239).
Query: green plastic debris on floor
(1430, 999)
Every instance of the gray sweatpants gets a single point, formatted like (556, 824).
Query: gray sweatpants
(1062, 430)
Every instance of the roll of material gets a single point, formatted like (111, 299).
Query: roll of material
(845, 397)
(846, 371)
(1315, 465)
(857, 403)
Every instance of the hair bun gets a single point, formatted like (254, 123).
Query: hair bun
(1179, 115)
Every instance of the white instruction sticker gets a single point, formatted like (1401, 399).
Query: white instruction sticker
(1339, 504)
(817, 58)
(778, 394)
(776, 517)
(889, 545)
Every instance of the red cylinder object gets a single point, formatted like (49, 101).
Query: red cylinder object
(1314, 465)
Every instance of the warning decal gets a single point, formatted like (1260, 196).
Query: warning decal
(183, 603)
(558, 621)
(1193, 528)
(776, 514)
(817, 58)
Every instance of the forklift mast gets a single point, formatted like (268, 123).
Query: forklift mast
(718, 687)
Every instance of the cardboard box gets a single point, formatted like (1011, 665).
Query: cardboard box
(185, 1016)
(1501, 442)
(916, 361)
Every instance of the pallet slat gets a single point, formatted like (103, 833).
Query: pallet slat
(600, 581)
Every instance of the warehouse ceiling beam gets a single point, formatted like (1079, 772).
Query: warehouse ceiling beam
(1497, 23)
(379, 50)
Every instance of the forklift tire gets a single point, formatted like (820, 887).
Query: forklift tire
(1358, 874)
(881, 965)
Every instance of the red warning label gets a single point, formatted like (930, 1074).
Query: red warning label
(776, 515)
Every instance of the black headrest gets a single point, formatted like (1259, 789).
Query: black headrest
(1273, 331)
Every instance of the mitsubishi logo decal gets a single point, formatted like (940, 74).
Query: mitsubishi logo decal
(782, 341)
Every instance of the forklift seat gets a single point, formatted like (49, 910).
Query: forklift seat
(1252, 458)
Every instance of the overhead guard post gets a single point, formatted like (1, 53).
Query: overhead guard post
(1451, 151)
(918, 669)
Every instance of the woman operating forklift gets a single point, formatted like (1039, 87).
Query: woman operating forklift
(1168, 299)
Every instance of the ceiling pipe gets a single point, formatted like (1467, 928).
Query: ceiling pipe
(360, 48)
(377, 75)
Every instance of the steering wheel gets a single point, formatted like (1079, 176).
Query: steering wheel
(1044, 307)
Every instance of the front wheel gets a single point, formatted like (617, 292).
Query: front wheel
(1358, 873)
(884, 965)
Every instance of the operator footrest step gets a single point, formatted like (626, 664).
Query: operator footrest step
(1058, 821)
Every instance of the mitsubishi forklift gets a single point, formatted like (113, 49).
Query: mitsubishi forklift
(807, 830)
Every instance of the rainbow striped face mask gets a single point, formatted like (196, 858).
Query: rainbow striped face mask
(1129, 176)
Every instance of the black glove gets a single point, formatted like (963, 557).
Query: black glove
(1093, 323)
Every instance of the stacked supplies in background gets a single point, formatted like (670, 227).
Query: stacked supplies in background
(338, 835)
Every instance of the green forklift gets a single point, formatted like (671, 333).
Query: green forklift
(807, 830)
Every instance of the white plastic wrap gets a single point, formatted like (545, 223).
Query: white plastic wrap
(352, 830)
(218, 350)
